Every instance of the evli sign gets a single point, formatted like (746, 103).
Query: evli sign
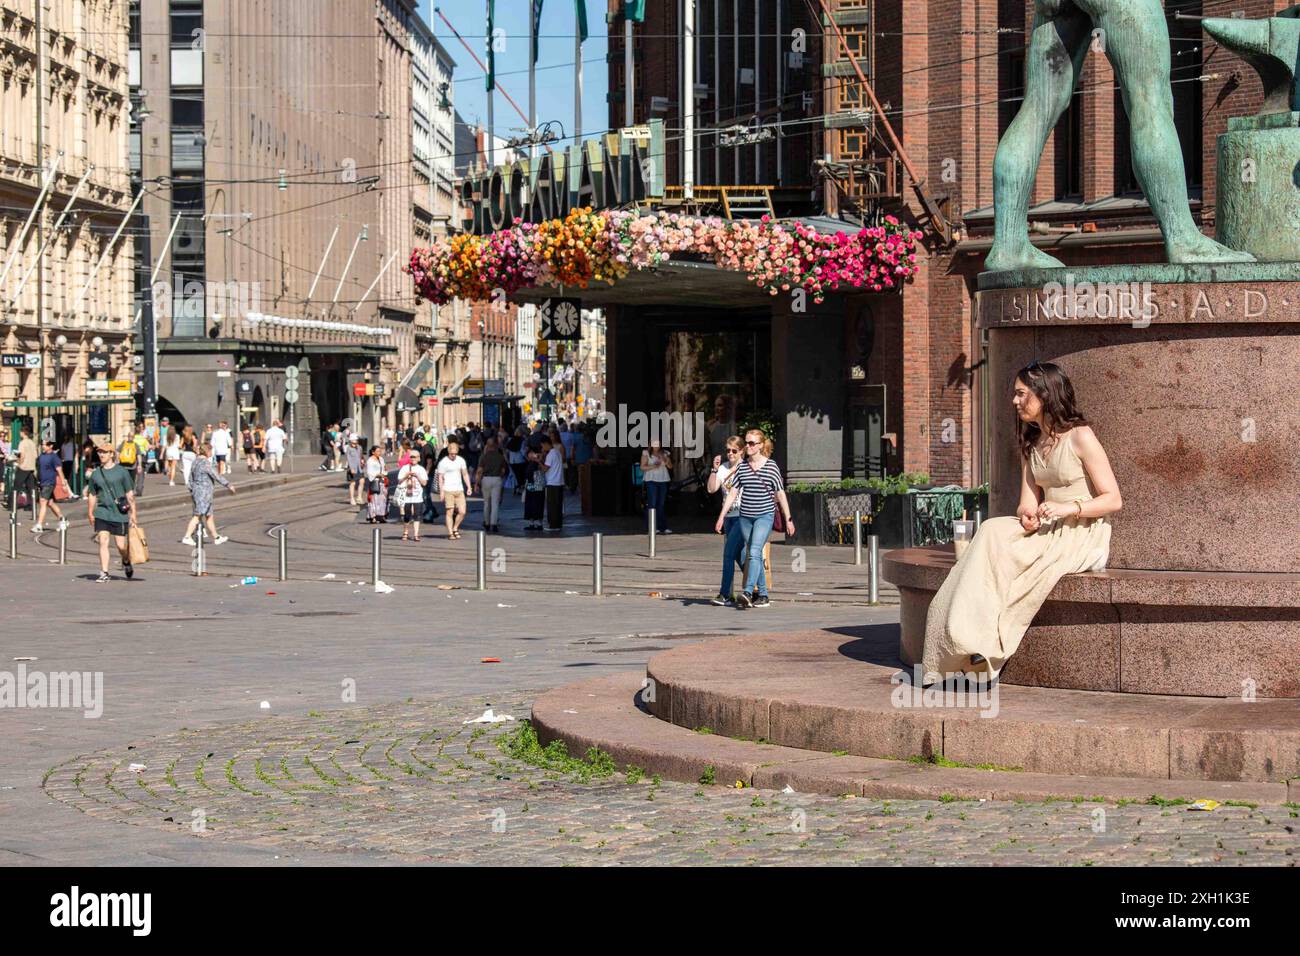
(615, 170)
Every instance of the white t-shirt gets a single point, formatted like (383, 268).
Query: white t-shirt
(410, 482)
(452, 474)
(275, 437)
(725, 471)
(374, 467)
(554, 468)
(657, 471)
(221, 439)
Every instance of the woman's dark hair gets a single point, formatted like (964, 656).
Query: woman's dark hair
(374, 449)
(1054, 390)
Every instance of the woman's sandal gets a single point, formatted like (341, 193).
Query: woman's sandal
(405, 536)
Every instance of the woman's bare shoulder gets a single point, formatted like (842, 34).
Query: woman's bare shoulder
(1082, 438)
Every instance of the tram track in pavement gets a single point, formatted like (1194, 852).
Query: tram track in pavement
(324, 540)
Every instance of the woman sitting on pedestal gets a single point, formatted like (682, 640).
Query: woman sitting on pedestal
(1067, 488)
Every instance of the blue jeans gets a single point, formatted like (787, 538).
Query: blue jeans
(731, 553)
(656, 493)
(756, 531)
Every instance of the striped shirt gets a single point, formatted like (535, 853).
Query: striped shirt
(758, 488)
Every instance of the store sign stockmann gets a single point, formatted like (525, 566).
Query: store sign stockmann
(614, 170)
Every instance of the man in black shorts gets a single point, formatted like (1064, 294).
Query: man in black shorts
(110, 506)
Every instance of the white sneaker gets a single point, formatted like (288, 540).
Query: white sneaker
(188, 540)
(36, 529)
(63, 524)
(221, 539)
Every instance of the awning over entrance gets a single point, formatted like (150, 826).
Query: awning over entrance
(671, 283)
(408, 389)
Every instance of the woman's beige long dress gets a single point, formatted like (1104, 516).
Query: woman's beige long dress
(991, 595)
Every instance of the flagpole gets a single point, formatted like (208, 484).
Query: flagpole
(688, 96)
(627, 70)
(491, 143)
(577, 81)
(532, 77)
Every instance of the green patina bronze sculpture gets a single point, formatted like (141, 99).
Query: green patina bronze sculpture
(1136, 41)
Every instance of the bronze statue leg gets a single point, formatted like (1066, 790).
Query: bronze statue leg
(1052, 64)
(1136, 39)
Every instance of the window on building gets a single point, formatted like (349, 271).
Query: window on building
(1069, 151)
(1185, 57)
(1011, 82)
(187, 110)
(186, 19)
(133, 29)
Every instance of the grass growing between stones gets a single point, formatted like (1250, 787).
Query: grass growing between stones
(938, 760)
(522, 744)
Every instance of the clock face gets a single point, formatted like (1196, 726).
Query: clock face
(565, 318)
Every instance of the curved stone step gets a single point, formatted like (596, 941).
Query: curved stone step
(845, 690)
(603, 712)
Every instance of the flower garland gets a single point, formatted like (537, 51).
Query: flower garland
(587, 246)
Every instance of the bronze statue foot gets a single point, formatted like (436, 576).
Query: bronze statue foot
(1202, 248)
(1023, 256)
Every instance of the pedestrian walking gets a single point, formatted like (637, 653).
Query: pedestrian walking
(128, 457)
(259, 448)
(25, 468)
(760, 491)
(189, 455)
(454, 486)
(327, 448)
(491, 474)
(358, 493)
(553, 462)
(110, 506)
(68, 458)
(246, 442)
(222, 443)
(141, 458)
(275, 442)
(48, 473)
(517, 458)
(411, 482)
(428, 458)
(172, 454)
(203, 480)
(376, 485)
(722, 478)
(656, 469)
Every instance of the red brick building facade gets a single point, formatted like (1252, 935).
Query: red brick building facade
(948, 75)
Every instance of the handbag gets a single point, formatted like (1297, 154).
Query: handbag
(137, 545)
(778, 518)
(61, 490)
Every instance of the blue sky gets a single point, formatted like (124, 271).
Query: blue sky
(555, 50)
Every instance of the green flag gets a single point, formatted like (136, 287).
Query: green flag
(537, 25)
(491, 47)
(634, 10)
(580, 6)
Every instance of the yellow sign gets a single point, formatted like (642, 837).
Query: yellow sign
(117, 386)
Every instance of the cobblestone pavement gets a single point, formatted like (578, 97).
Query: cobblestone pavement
(414, 782)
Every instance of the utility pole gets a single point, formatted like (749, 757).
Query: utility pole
(40, 221)
(148, 330)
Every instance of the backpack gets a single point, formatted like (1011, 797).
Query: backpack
(475, 441)
(126, 455)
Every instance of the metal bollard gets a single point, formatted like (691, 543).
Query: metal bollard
(13, 535)
(284, 554)
(857, 537)
(482, 561)
(63, 544)
(873, 569)
(200, 568)
(376, 547)
(653, 522)
(597, 562)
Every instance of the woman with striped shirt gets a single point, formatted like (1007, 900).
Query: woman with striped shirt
(759, 486)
